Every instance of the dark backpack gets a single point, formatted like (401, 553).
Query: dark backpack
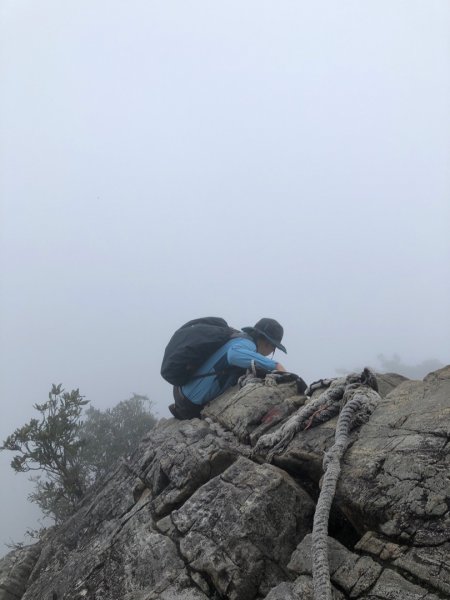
(191, 345)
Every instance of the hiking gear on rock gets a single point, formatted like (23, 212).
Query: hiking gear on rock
(191, 345)
(270, 329)
(255, 375)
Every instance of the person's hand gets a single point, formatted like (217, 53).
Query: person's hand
(279, 367)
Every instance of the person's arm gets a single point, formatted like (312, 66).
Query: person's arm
(243, 352)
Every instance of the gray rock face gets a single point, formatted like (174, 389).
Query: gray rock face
(388, 381)
(194, 515)
(423, 563)
(241, 527)
(248, 411)
(179, 457)
(15, 569)
(352, 576)
(111, 547)
(395, 478)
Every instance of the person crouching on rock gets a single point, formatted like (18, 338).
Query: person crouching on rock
(223, 369)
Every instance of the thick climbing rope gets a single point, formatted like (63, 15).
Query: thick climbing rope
(277, 441)
(319, 410)
(360, 401)
(355, 396)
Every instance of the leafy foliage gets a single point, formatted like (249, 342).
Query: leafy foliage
(115, 432)
(52, 445)
(70, 454)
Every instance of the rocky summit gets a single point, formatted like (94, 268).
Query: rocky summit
(212, 508)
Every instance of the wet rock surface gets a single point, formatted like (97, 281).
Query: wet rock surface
(193, 514)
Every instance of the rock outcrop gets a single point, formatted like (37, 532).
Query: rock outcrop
(195, 513)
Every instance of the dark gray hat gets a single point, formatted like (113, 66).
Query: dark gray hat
(270, 329)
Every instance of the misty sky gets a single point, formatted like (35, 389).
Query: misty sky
(161, 161)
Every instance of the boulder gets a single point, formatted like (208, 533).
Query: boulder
(241, 527)
(395, 477)
(179, 456)
(244, 411)
(388, 381)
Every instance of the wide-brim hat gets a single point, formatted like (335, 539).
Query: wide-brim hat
(270, 329)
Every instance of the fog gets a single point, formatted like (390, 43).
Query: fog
(161, 161)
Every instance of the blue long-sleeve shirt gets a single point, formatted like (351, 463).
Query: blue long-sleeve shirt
(228, 362)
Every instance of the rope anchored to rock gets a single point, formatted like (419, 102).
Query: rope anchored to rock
(319, 410)
(355, 397)
(359, 402)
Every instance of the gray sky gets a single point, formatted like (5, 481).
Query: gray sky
(161, 161)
